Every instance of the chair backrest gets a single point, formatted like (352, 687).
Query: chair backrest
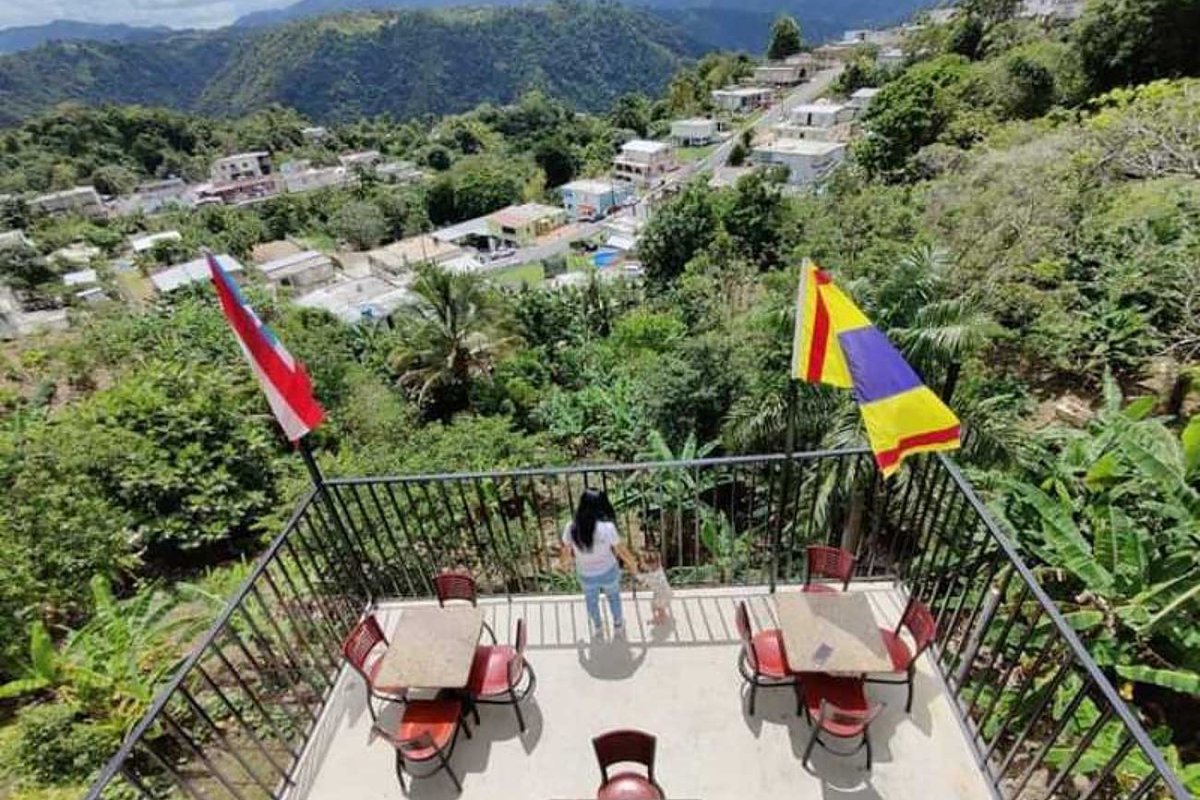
(516, 665)
(743, 625)
(365, 636)
(845, 721)
(829, 562)
(625, 746)
(921, 624)
(454, 586)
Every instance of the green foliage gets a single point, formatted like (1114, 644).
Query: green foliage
(320, 66)
(23, 269)
(56, 746)
(1136, 41)
(447, 339)
(360, 224)
(785, 38)
(909, 113)
(676, 233)
(1115, 508)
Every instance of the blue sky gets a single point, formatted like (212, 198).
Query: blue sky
(175, 13)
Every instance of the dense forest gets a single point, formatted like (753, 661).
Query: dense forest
(340, 68)
(1021, 216)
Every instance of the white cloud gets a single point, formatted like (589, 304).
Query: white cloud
(173, 13)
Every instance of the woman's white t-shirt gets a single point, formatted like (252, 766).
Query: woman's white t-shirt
(601, 558)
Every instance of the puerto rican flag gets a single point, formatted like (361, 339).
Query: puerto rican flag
(283, 378)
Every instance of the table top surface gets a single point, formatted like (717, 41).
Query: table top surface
(831, 633)
(431, 648)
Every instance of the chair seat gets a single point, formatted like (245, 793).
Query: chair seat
(489, 670)
(897, 648)
(629, 786)
(845, 693)
(820, 588)
(437, 718)
(768, 650)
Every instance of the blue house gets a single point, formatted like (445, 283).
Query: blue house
(592, 199)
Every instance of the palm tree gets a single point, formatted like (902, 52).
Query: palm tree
(449, 337)
(936, 332)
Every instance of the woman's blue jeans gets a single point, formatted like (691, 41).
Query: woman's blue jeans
(609, 583)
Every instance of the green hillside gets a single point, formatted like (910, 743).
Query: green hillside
(402, 63)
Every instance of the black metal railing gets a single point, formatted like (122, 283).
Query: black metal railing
(1043, 718)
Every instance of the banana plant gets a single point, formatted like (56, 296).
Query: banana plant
(1113, 520)
(112, 665)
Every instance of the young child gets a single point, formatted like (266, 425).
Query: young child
(654, 578)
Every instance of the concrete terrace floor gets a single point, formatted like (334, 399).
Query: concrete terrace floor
(680, 684)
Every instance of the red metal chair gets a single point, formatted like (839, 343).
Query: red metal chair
(458, 586)
(497, 675)
(626, 747)
(838, 707)
(454, 586)
(824, 561)
(921, 625)
(426, 732)
(762, 661)
(363, 651)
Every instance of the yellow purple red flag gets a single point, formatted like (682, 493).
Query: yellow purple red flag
(835, 343)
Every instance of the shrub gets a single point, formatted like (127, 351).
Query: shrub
(55, 746)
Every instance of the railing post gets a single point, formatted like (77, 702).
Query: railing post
(789, 450)
(339, 525)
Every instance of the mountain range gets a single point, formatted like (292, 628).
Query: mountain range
(337, 65)
(341, 67)
(26, 37)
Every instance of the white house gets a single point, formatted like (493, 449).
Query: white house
(186, 274)
(83, 277)
(779, 74)
(407, 253)
(362, 158)
(141, 244)
(820, 115)
(359, 299)
(1052, 9)
(14, 238)
(240, 167)
(301, 270)
(861, 99)
(399, 172)
(890, 57)
(742, 99)
(314, 134)
(694, 132)
(79, 254)
(807, 63)
(592, 199)
(807, 160)
(311, 178)
(154, 196)
(643, 162)
(80, 200)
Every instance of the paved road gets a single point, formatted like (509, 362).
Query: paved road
(804, 93)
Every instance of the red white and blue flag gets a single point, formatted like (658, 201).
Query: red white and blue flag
(283, 378)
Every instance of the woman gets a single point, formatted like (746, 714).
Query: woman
(592, 540)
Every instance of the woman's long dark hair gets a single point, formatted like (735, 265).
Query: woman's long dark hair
(593, 507)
